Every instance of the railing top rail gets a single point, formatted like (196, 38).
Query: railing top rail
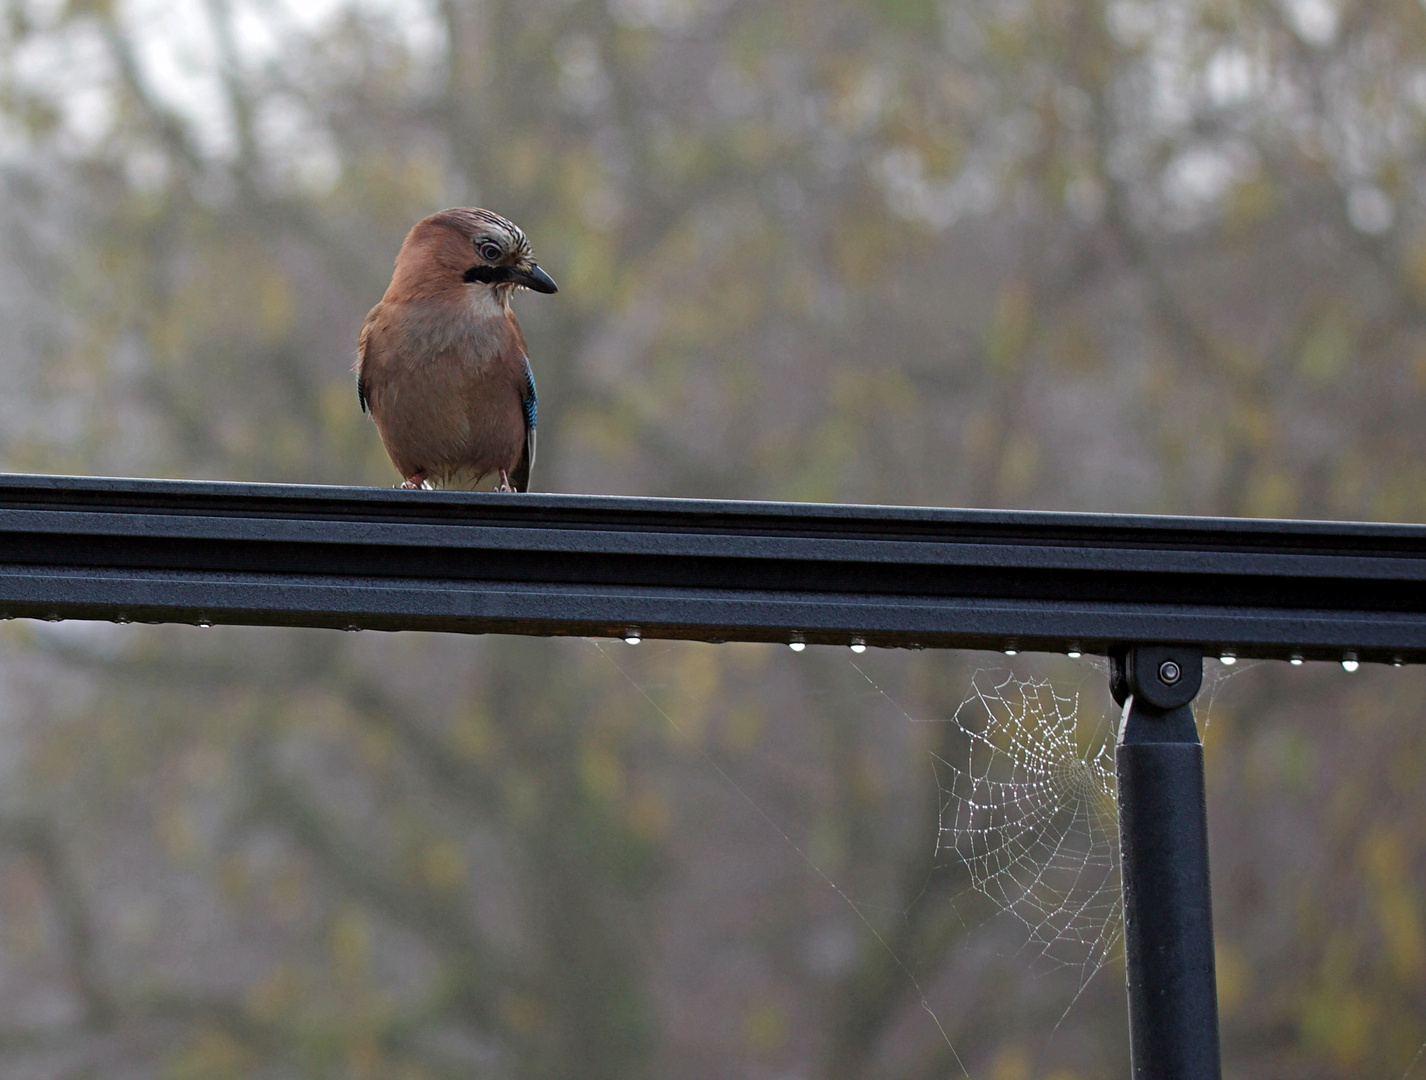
(327, 502)
(198, 551)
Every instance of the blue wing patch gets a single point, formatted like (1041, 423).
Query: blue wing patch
(532, 409)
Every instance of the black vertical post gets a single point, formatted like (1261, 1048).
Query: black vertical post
(1163, 835)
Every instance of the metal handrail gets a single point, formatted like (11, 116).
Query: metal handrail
(181, 551)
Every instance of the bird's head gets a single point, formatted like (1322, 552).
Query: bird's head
(477, 249)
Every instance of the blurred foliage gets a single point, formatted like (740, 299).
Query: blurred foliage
(1133, 255)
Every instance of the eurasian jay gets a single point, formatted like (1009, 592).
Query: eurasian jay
(441, 361)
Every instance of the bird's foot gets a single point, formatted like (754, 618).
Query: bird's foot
(414, 482)
(504, 482)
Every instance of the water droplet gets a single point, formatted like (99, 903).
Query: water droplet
(797, 646)
(122, 619)
(54, 617)
(858, 645)
(1228, 659)
(1012, 652)
(1349, 662)
(1397, 661)
(1296, 661)
(632, 637)
(204, 623)
(351, 628)
(1074, 654)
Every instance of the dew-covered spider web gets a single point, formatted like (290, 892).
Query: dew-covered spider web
(1026, 804)
(1029, 808)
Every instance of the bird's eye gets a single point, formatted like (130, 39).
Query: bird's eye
(490, 252)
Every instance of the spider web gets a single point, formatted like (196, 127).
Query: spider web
(1027, 805)
(1029, 808)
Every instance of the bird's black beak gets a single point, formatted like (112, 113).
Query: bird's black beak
(534, 278)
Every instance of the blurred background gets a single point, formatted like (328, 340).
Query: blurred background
(1138, 255)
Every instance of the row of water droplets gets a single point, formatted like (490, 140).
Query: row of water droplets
(1227, 658)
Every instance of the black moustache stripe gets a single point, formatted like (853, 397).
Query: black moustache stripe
(488, 275)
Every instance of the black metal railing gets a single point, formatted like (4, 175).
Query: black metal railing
(1152, 593)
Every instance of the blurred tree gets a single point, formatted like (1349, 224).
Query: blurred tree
(1111, 255)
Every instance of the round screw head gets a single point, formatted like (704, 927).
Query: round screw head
(1169, 673)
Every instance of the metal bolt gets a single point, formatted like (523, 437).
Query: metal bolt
(1169, 673)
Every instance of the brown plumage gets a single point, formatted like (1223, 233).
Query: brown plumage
(441, 361)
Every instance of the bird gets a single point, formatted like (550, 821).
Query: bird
(441, 361)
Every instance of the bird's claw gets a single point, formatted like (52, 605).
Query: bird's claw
(504, 482)
(414, 483)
